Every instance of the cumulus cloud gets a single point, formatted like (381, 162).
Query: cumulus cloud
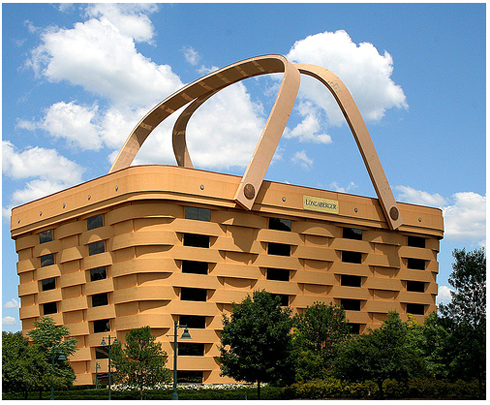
(49, 171)
(310, 128)
(13, 303)
(365, 71)
(191, 55)
(334, 186)
(302, 159)
(444, 294)
(9, 320)
(464, 213)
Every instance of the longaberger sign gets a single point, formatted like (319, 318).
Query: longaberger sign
(320, 204)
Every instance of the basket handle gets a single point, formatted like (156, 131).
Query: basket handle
(354, 119)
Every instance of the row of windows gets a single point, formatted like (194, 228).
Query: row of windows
(92, 223)
(98, 273)
(94, 248)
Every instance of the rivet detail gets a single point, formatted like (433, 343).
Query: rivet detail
(249, 191)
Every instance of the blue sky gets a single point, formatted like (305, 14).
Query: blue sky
(77, 78)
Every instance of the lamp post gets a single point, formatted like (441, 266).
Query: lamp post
(61, 357)
(103, 343)
(97, 367)
(185, 335)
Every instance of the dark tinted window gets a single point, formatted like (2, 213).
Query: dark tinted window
(352, 233)
(185, 376)
(48, 284)
(280, 224)
(355, 328)
(102, 352)
(189, 266)
(279, 249)
(415, 309)
(416, 286)
(95, 222)
(416, 241)
(417, 264)
(99, 300)
(46, 236)
(190, 349)
(102, 325)
(47, 260)
(199, 214)
(98, 273)
(96, 247)
(352, 257)
(284, 299)
(278, 274)
(201, 241)
(350, 281)
(351, 305)
(50, 308)
(193, 321)
(193, 294)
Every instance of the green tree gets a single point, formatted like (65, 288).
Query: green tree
(54, 339)
(464, 317)
(256, 341)
(24, 367)
(140, 364)
(383, 353)
(318, 334)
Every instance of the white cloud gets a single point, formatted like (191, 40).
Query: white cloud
(410, 195)
(334, 186)
(361, 67)
(308, 129)
(13, 303)
(301, 158)
(9, 320)
(49, 171)
(464, 213)
(444, 294)
(191, 55)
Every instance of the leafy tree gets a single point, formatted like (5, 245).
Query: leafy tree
(383, 353)
(464, 316)
(140, 364)
(318, 334)
(51, 338)
(256, 341)
(24, 367)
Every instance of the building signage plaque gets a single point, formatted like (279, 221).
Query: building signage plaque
(320, 204)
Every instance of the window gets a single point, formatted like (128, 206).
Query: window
(278, 274)
(284, 299)
(350, 305)
(355, 328)
(48, 284)
(280, 224)
(199, 214)
(352, 257)
(193, 294)
(189, 266)
(46, 236)
(95, 222)
(50, 308)
(99, 300)
(98, 273)
(193, 321)
(279, 249)
(416, 241)
(350, 281)
(96, 247)
(352, 233)
(200, 241)
(416, 286)
(190, 349)
(415, 309)
(47, 260)
(417, 264)
(185, 376)
(102, 352)
(102, 325)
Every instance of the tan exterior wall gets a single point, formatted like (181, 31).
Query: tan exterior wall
(143, 230)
